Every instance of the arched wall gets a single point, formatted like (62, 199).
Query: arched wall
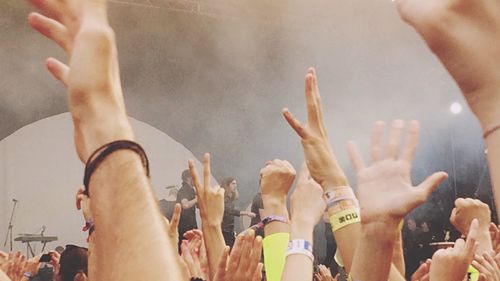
(39, 167)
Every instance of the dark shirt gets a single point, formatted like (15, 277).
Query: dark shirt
(166, 208)
(188, 216)
(230, 212)
(257, 204)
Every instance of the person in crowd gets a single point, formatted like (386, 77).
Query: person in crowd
(187, 198)
(167, 204)
(231, 194)
(465, 36)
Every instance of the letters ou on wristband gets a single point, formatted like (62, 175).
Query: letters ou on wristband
(104, 151)
(300, 247)
(344, 218)
(267, 220)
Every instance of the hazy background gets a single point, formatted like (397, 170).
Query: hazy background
(214, 75)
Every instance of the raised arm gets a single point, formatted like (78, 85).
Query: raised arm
(122, 198)
(465, 36)
(308, 207)
(276, 180)
(386, 195)
(211, 205)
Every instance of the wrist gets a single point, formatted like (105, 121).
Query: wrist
(301, 231)
(381, 229)
(336, 179)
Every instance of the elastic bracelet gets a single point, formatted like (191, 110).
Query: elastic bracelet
(300, 247)
(267, 220)
(344, 218)
(491, 131)
(27, 274)
(102, 152)
(339, 194)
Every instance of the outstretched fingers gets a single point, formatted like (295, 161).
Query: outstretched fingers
(394, 142)
(295, 123)
(430, 184)
(59, 70)
(196, 179)
(376, 148)
(356, 159)
(206, 170)
(51, 29)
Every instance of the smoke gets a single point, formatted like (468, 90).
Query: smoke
(215, 75)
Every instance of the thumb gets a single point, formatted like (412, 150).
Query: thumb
(431, 183)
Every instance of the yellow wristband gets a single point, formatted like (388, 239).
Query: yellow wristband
(344, 218)
(275, 246)
(472, 273)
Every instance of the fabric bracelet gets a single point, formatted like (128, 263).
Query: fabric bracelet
(344, 218)
(267, 220)
(104, 151)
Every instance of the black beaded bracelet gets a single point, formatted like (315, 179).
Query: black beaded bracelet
(104, 151)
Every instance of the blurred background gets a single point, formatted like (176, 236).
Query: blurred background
(214, 75)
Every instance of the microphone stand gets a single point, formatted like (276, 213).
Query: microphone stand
(8, 236)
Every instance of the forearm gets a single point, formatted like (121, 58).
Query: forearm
(215, 244)
(277, 237)
(187, 204)
(123, 205)
(276, 207)
(372, 260)
(398, 259)
(293, 262)
(484, 242)
(493, 148)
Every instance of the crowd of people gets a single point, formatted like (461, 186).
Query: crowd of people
(129, 239)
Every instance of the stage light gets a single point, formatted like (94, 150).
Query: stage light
(456, 108)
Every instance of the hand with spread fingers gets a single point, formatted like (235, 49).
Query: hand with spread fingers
(81, 28)
(422, 272)
(487, 267)
(385, 191)
(323, 274)
(318, 153)
(467, 209)
(243, 262)
(451, 264)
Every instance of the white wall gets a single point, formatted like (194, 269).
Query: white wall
(39, 167)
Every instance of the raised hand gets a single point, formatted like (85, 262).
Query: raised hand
(276, 179)
(172, 226)
(97, 108)
(317, 150)
(466, 209)
(210, 198)
(307, 201)
(461, 216)
(198, 234)
(451, 264)
(385, 191)
(422, 272)
(465, 35)
(487, 267)
(190, 254)
(243, 263)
